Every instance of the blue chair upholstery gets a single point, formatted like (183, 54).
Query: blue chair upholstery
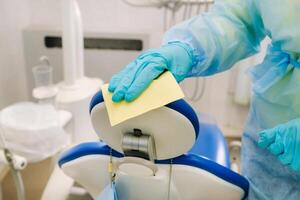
(211, 144)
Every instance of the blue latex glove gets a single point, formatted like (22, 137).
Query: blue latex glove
(137, 76)
(284, 142)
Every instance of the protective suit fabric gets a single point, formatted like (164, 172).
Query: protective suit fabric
(231, 31)
(275, 100)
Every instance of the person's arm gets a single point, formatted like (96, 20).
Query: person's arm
(230, 31)
(204, 45)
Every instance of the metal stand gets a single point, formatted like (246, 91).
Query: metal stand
(16, 175)
(137, 144)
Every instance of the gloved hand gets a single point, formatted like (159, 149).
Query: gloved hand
(284, 142)
(137, 76)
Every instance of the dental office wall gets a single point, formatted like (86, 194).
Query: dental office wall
(106, 16)
(14, 15)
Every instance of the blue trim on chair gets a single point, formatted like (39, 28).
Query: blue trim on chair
(100, 148)
(210, 166)
(180, 106)
(189, 159)
(185, 109)
(211, 144)
(97, 98)
(84, 149)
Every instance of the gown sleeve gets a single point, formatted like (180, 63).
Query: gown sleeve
(229, 32)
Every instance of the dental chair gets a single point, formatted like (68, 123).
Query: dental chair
(167, 153)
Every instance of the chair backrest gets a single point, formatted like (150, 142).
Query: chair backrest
(192, 177)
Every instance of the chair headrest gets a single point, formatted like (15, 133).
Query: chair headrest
(174, 127)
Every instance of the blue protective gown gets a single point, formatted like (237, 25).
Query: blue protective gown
(232, 30)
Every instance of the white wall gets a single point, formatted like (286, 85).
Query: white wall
(104, 16)
(14, 15)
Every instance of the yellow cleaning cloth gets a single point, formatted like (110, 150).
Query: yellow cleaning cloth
(161, 91)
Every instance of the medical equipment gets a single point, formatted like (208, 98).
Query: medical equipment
(101, 50)
(17, 177)
(30, 133)
(44, 90)
(201, 173)
(43, 73)
(71, 98)
(74, 93)
(32, 130)
(16, 164)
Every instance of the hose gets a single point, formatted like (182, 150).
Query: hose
(15, 173)
(197, 92)
(18, 183)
